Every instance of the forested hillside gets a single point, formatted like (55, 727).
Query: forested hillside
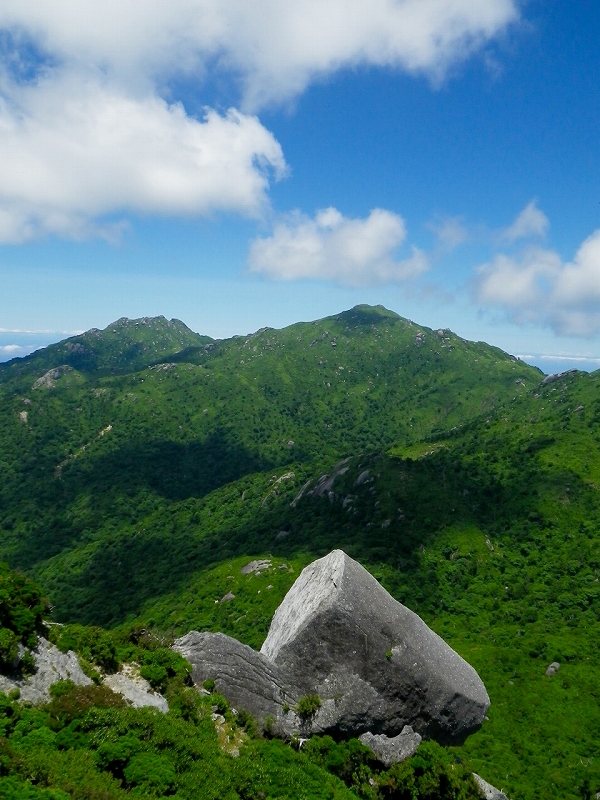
(134, 489)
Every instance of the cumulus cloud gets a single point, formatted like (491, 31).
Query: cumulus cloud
(75, 153)
(531, 222)
(539, 287)
(89, 128)
(276, 48)
(355, 252)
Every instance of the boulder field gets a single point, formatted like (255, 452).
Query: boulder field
(343, 657)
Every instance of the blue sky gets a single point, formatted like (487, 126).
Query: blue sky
(240, 164)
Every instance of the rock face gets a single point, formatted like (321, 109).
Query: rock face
(48, 380)
(392, 751)
(246, 678)
(52, 666)
(338, 634)
(344, 637)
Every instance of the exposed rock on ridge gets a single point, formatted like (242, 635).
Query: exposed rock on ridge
(374, 664)
(51, 666)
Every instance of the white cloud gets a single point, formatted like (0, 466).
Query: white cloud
(450, 232)
(531, 222)
(540, 288)
(12, 348)
(86, 131)
(276, 48)
(80, 150)
(355, 252)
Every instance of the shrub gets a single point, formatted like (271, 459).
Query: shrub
(8, 648)
(308, 706)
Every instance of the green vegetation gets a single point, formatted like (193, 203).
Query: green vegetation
(308, 706)
(21, 617)
(136, 494)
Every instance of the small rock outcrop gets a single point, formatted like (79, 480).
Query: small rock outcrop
(487, 791)
(51, 666)
(374, 664)
(553, 669)
(392, 750)
(130, 685)
(48, 380)
(255, 567)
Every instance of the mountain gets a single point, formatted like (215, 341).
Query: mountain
(87, 452)
(465, 480)
(124, 346)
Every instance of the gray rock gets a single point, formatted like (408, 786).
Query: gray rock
(374, 663)
(553, 669)
(362, 477)
(557, 376)
(136, 689)
(325, 483)
(227, 597)
(392, 751)
(246, 678)
(52, 666)
(255, 566)
(487, 791)
(48, 380)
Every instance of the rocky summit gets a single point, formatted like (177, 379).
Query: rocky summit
(339, 636)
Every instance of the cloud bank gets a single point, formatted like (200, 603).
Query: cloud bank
(354, 252)
(540, 288)
(89, 127)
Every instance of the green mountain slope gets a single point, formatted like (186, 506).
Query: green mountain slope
(469, 487)
(124, 346)
(91, 451)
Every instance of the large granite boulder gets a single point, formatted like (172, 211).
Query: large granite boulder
(487, 791)
(374, 664)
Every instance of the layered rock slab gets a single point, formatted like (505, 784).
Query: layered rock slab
(376, 665)
(246, 678)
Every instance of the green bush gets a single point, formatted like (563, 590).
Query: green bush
(9, 642)
(308, 706)
(155, 675)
